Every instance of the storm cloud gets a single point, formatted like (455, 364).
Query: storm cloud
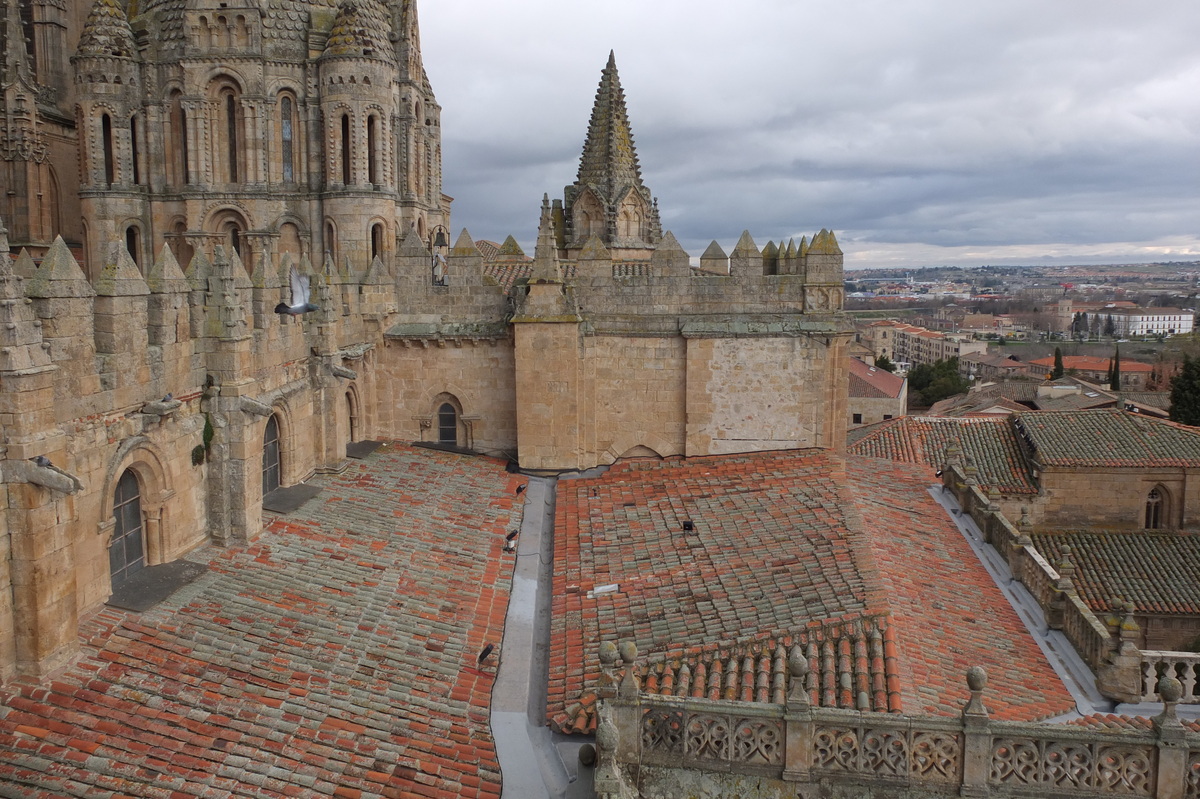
(922, 132)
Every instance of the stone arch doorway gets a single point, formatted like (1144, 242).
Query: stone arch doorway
(127, 552)
(447, 424)
(272, 460)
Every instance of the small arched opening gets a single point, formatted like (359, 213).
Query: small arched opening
(272, 467)
(1157, 508)
(106, 136)
(127, 552)
(447, 424)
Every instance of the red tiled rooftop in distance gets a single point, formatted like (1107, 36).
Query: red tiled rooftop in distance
(785, 542)
(1088, 363)
(334, 656)
(871, 381)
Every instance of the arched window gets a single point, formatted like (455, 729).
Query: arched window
(372, 143)
(376, 239)
(106, 134)
(271, 458)
(345, 149)
(352, 415)
(1155, 509)
(230, 107)
(331, 242)
(179, 142)
(286, 135)
(133, 243)
(447, 424)
(127, 552)
(133, 150)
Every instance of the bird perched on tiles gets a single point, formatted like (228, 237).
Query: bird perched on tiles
(167, 398)
(487, 650)
(510, 543)
(300, 296)
(42, 460)
(938, 473)
(955, 511)
(521, 487)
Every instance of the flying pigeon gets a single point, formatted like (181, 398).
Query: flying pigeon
(300, 296)
(487, 650)
(42, 460)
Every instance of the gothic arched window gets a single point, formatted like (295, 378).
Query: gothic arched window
(345, 149)
(1155, 509)
(272, 462)
(372, 145)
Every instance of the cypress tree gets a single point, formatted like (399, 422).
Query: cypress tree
(1115, 384)
(1185, 393)
(1058, 364)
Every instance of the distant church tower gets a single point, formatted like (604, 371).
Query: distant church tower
(608, 200)
(300, 126)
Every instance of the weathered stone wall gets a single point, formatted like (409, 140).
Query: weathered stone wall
(748, 394)
(1115, 498)
(477, 376)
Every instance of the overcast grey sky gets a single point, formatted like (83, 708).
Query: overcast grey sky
(922, 132)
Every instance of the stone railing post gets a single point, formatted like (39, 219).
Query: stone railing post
(1172, 742)
(627, 708)
(977, 738)
(797, 720)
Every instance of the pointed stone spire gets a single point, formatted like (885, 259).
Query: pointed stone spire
(166, 276)
(120, 276)
(510, 249)
(25, 267)
(16, 50)
(745, 258)
(715, 260)
(609, 160)
(670, 258)
(614, 203)
(59, 275)
(545, 254)
(408, 44)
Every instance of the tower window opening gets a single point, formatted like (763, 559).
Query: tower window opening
(106, 133)
(231, 131)
(133, 147)
(285, 127)
(372, 169)
(345, 149)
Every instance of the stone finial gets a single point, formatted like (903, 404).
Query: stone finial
(669, 257)
(630, 685)
(798, 671)
(628, 650)
(1170, 690)
(25, 267)
(976, 683)
(608, 654)
(1066, 570)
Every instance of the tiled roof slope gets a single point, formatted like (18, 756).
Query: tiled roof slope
(1089, 363)
(990, 442)
(870, 381)
(1108, 437)
(1113, 722)
(1157, 572)
(336, 656)
(947, 612)
(781, 554)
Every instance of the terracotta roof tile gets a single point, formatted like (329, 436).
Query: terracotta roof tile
(785, 550)
(990, 442)
(333, 656)
(1088, 363)
(869, 381)
(1110, 721)
(1155, 571)
(1108, 438)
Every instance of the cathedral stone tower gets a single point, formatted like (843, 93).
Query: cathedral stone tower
(300, 126)
(608, 200)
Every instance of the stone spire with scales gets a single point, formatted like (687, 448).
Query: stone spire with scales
(608, 200)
